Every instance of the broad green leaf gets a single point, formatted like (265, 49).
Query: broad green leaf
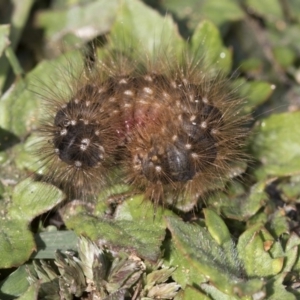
(204, 255)
(278, 223)
(214, 293)
(291, 252)
(207, 45)
(253, 247)
(138, 26)
(276, 290)
(254, 93)
(16, 283)
(290, 189)
(197, 254)
(138, 208)
(220, 12)
(134, 229)
(276, 144)
(270, 9)
(16, 243)
(241, 205)
(184, 274)
(26, 155)
(194, 11)
(31, 199)
(217, 227)
(31, 293)
(79, 23)
(191, 293)
(20, 105)
(284, 55)
(48, 242)
(253, 287)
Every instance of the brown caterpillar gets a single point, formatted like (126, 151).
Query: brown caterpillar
(169, 130)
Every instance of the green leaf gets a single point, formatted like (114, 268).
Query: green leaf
(184, 274)
(19, 106)
(48, 242)
(137, 25)
(216, 227)
(241, 205)
(290, 189)
(77, 24)
(16, 283)
(29, 200)
(220, 12)
(134, 229)
(202, 262)
(255, 93)
(4, 37)
(276, 289)
(214, 293)
(194, 11)
(205, 255)
(32, 292)
(269, 9)
(276, 144)
(291, 252)
(207, 45)
(253, 247)
(278, 223)
(284, 55)
(17, 17)
(16, 243)
(190, 293)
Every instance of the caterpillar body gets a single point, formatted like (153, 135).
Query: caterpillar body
(163, 125)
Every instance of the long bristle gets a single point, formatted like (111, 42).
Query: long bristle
(170, 129)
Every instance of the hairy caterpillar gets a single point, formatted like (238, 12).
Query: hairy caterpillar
(167, 128)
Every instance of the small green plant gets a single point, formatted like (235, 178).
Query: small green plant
(239, 242)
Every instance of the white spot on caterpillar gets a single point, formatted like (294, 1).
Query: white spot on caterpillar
(84, 144)
(148, 78)
(166, 95)
(63, 131)
(194, 155)
(204, 124)
(78, 164)
(158, 169)
(148, 90)
(128, 93)
(123, 81)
